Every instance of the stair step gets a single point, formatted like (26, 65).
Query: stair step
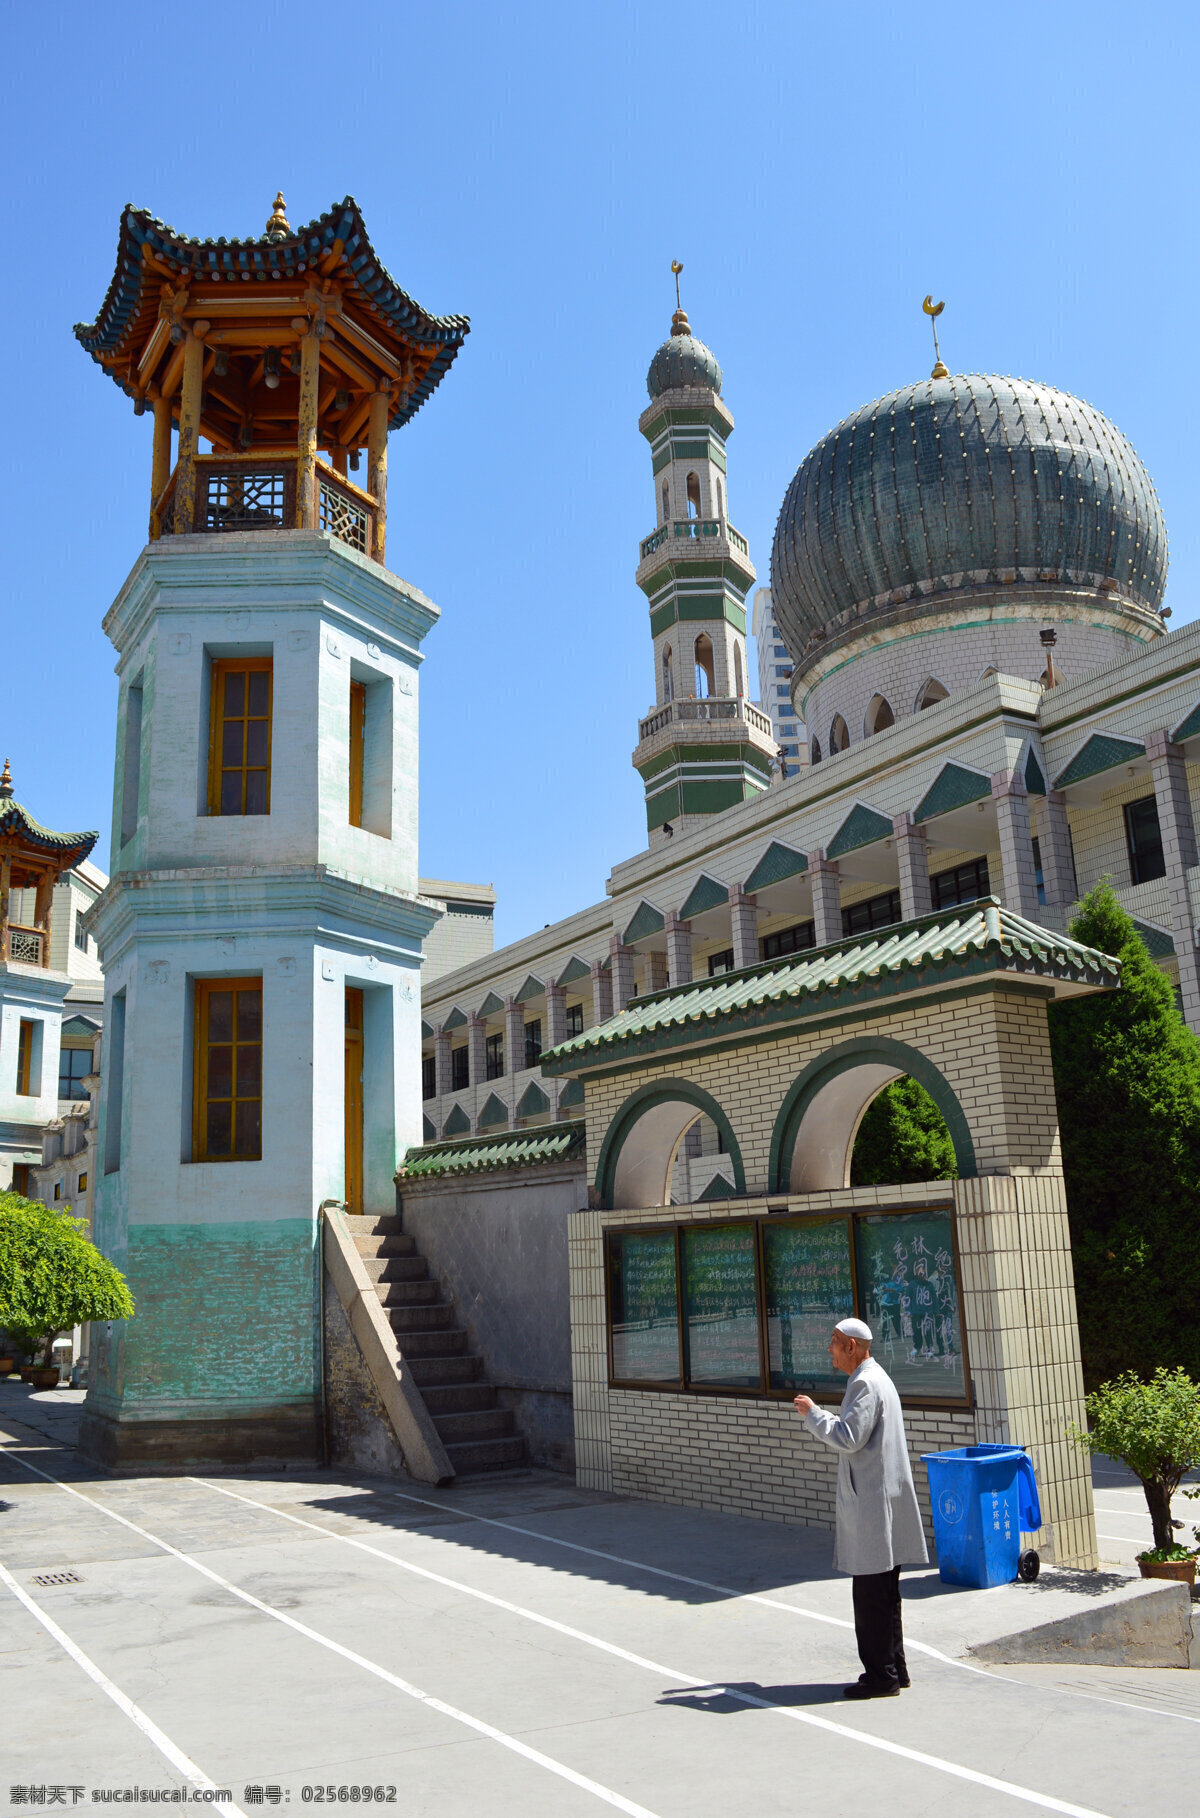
(390, 1225)
(434, 1372)
(420, 1319)
(409, 1293)
(472, 1455)
(445, 1398)
(445, 1344)
(385, 1246)
(483, 1423)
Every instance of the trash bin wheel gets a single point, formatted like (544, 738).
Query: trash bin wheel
(1028, 1566)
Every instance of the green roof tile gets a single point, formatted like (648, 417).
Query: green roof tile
(706, 893)
(719, 1187)
(1101, 752)
(953, 787)
(646, 920)
(490, 1005)
(980, 939)
(571, 1094)
(455, 1020)
(777, 863)
(428, 1129)
(533, 987)
(426, 1032)
(16, 819)
(1159, 943)
(573, 971)
(861, 827)
(1035, 782)
(482, 1154)
(495, 1111)
(532, 1101)
(1187, 729)
(458, 1123)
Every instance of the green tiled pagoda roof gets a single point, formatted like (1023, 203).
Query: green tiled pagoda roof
(18, 820)
(481, 1154)
(979, 939)
(136, 286)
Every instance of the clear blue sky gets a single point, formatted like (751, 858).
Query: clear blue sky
(537, 166)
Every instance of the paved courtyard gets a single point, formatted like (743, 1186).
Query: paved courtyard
(518, 1647)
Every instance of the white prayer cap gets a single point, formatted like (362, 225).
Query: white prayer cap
(855, 1328)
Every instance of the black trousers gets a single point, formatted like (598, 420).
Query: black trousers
(878, 1627)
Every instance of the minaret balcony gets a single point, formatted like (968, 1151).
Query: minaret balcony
(693, 530)
(710, 711)
(260, 491)
(690, 539)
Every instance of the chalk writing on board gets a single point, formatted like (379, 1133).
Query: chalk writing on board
(721, 1306)
(808, 1288)
(909, 1296)
(645, 1307)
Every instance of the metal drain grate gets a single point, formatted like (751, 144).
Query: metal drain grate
(45, 1578)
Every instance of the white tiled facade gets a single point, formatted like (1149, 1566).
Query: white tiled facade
(774, 679)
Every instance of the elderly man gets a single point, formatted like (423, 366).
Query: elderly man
(878, 1521)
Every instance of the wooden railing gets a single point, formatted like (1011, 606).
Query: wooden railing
(260, 491)
(28, 946)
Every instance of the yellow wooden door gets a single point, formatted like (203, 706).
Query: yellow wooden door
(354, 1100)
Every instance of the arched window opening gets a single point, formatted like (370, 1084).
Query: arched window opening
(720, 500)
(839, 736)
(931, 693)
(985, 673)
(901, 1137)
(693, 495)
(705, 673)
(668, 677)
(879, 716)
(666, 503)
(814, 752)
(739, 686)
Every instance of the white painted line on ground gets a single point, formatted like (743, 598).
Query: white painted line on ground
(978, 1778)
(183, 1764)
(393, 1679)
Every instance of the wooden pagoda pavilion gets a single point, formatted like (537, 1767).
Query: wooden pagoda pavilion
(31, 858)
(288, 354)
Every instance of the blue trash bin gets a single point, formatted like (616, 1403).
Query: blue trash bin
(984, 1498)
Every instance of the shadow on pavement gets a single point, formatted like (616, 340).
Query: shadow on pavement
(719, 1700)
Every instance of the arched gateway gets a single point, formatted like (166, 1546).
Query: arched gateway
(967, 1283)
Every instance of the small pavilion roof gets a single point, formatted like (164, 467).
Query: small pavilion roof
(20, 833)
(979, 940)
(336, 245)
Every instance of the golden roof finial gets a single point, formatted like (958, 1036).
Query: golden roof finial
(6, 782)
(933, 310)
(679, 322)
(278, 224)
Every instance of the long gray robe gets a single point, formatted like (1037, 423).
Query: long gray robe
(878, 1520)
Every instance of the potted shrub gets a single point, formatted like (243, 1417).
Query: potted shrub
(52, 1277)
(1154, 1428)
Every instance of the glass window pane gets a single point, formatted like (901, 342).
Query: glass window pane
(231, 792)
(808, 1288)
(220, 1072)
(220, 1125)
(249, 1071)
(235, 695)
(908, 1295)
(721, 1307)
(260, 690)
(249, 1129)
(645, 1307)
(249, 1016)
(232, 742)
(220, 1016)
(256, 792)
(256, 741)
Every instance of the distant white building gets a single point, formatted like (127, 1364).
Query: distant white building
(466, 930)
(775, 676)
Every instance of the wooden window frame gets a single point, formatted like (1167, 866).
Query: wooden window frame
(204, 988)
(680, 1385)
(221, 669)
(25, 1058)
(358, 745)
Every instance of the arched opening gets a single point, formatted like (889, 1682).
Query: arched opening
(642, 1147)
(705, 672)
(693, 495)
(814, 752)
(930, 693)
(666, 503)
(879, 716)
(985, 673)
(814, 1143)
(668, 676)
(702, 1169)
(839, 736)
(739, 686)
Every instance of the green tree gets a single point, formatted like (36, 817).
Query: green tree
(51, 1275)
(902, 1137)
(1154, 1428)
(1127, 1080)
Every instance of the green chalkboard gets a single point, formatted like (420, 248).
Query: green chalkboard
(721, 1307)
(644, 1298)
(808, 1288)
(908, 1292)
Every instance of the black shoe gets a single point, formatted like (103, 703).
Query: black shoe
(862, 1689)
(905, 1681)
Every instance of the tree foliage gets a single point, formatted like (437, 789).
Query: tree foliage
(902, 1137)
(51, 1275)
(1154, 1428)
(1127, 1080)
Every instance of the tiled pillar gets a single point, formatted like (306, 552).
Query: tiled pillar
(656, 971)
(1179, 853)
(622, 973)
(1016, 843)
(743, 913)
(477, 1050)
(1054, 845)
(441, 1049)
(827, 898)
(912, 857)
(514, 1047)
(556, 1016)
(679, 949)
(602, 997)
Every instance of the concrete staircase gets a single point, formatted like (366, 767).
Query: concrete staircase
(477, 1433)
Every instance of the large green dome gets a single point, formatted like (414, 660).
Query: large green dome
(959, 483)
